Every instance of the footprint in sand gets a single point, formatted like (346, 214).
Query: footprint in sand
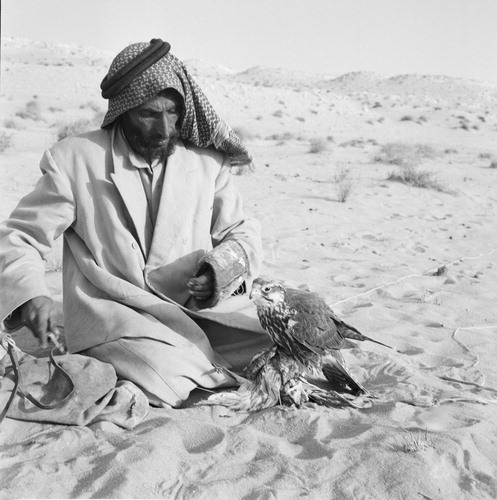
(202, 438)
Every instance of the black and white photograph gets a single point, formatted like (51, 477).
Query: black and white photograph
(248, 249)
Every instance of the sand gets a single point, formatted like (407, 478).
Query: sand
(413, 267)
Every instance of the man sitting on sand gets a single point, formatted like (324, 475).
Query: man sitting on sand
(155, 238)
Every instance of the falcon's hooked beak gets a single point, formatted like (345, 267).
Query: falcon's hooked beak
(255, 292)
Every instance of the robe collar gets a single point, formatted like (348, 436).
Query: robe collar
(173, 204)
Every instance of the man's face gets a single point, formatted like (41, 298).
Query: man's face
(151, 128)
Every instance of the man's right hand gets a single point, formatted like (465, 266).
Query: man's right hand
(38, 315)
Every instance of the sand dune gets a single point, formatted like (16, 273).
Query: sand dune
(413, 267)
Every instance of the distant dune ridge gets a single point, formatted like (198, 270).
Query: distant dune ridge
(377, 192)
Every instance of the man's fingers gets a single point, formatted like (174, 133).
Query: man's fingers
(202, 295)
(37, 314)
(201, 283)
(202, 286)
(202, 280)
(40, 326)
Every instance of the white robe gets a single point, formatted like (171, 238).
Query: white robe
(94, 198)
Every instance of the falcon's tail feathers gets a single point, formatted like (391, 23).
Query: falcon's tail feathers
(351, 333)
(380, 343)
(333, 399)
(340, 379)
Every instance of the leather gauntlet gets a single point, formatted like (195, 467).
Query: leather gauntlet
(230, 265)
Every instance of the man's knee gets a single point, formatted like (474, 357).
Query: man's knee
(160, 370)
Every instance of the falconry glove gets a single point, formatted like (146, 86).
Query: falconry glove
(230, 265)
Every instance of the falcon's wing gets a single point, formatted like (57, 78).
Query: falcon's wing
(310, 322)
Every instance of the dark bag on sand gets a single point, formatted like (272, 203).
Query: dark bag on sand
(70, 389)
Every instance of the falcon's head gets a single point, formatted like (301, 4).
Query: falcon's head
(267, 293)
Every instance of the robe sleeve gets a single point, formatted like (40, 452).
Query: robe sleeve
(237, 248)
(27, 236)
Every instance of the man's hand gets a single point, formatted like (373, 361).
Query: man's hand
(39, 316)
(202, 286)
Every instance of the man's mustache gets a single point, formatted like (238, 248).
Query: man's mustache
(154, 149)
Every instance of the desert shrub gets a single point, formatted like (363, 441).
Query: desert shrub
(73, 128)
(286, 136)
(300, 118)
(318, 145)
(344, 183)
(31, 110)
(412, 443)
(5, 141)
(412, 176)
(358, 143)
(353, 143)
(408, 157)
(407, 118)
(425, 150)
(278, 113)
(94, 106)
(493, 164)
(485, 156)
(403, 154)
(14, 124)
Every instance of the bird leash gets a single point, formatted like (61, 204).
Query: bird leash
(8, 343)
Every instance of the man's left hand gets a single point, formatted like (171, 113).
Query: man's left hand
(202, 286)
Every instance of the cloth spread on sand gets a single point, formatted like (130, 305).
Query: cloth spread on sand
(200, 124)
(81, 392)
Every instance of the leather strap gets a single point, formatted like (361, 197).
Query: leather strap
(18, 380)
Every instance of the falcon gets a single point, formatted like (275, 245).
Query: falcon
(301, 322)
(307, 337)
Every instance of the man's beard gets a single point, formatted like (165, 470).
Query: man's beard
(152, 152)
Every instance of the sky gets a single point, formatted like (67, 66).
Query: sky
(332, 37)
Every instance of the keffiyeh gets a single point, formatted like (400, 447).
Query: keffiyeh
(142, 70)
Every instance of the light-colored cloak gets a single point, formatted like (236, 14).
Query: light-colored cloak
(111, 289)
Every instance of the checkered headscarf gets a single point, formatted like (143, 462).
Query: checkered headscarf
(142, 70)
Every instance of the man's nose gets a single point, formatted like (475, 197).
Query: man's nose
(163, 126)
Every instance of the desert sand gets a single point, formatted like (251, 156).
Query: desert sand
(414, 267)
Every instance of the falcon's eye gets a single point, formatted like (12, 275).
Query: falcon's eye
(266, 288)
